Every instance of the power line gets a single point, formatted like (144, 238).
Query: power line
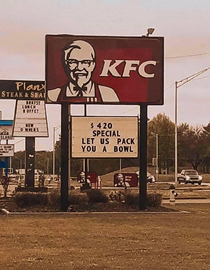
(185, 56)
(202, 78)
(195, 80)
(169, 87)
(130, 110)
(19, 141)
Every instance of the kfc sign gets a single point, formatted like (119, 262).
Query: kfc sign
(110, 70)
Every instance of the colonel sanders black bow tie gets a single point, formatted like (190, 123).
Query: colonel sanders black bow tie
(80, 90)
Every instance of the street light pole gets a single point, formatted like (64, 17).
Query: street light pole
(176, 134)
(177, 85)
(53, 152)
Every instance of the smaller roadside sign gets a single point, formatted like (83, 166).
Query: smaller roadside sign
(30, 119)
(92, 177)
(6, 129)
(6, 150)
(125, 179)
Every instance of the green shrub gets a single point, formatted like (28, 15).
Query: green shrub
(132, 199)
(24, 199)
(77, 198)
(54, 198)
(97, 196)
(117, 196)
(153, 199)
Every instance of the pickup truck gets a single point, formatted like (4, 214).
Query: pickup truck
(189, 176)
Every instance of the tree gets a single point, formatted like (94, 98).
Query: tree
(43, 161)
(164, 128)
(18, 161)
(193, 143)
(58, 155)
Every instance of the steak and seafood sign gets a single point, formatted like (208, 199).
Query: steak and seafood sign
(10, 89)
(104, 137)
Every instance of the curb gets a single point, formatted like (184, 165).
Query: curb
(5, 212)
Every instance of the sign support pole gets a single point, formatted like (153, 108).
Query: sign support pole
(157, 148)
(69, 140)
(86, 186)
(6, 166)
(85, 114)
(29, 161)
(143, 158)
(64, 157)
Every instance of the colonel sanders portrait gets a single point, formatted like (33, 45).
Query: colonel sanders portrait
(79, 61)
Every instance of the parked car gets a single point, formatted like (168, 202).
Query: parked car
(150, 177)
(189, 176)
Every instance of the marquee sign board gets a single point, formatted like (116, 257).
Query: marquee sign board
(104, 137)
(30, 119)
(6, 127)
(22, 90)
(110, 70)
(6, 150)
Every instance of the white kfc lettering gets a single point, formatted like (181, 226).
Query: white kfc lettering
(142, 67)
(130, 65)
(111, 68)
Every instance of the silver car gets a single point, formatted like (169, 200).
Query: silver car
(189, 176)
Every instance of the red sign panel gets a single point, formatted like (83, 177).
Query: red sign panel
(92, 177)
(111, 70)
(125, 179)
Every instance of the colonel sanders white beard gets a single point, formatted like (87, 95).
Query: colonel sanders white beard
(81, 80)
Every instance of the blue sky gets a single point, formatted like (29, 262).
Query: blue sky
(183, 24)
